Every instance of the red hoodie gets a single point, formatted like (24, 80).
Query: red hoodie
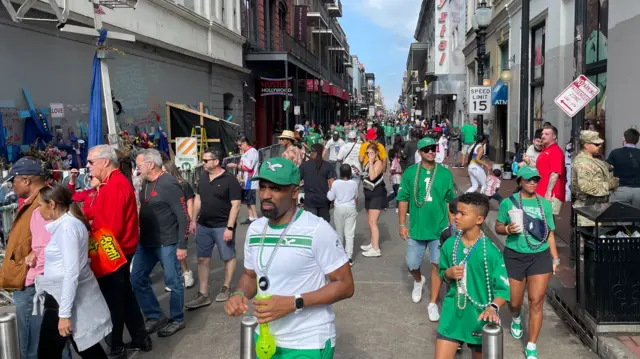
(115, 208)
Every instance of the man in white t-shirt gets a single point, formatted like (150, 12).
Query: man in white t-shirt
(349, 154)
(297, 259)
(248, 167)
(333, 146)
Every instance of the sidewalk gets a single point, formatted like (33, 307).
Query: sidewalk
(615, 347)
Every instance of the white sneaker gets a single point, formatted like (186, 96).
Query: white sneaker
(372, 253)
(416, 295)
(167, 289)
(188, 279)
(366, 247)
(434, 315)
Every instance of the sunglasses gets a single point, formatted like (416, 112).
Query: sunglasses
(427, 149)
(532, 179)
(206, 160)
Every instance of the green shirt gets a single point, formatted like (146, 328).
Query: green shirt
(313, 138)
(388, 130)
(404, 130)
(340, 130)
(428, 221)
(518, 242)
(398, 130)
(463, 324)
(468, 133)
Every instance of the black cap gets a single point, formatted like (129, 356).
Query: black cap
(25, 167)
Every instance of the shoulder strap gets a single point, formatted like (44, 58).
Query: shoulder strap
(515, 203)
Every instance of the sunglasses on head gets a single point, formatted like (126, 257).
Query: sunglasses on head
(427, 149)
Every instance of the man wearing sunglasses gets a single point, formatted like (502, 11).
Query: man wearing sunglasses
(426, 189)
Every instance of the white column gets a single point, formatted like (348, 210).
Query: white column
(228, 14)
(215, 13)
(238, 24)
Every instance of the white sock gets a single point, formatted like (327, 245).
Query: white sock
(531, 346)
(252, 219)
(517, 319)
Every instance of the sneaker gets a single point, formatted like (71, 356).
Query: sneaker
(224, 294)
(350, 262)
(167, 289)
(170, 329)
(432, 309)
(372, 253)
(151, 325)
(199, 301)
(516, 329)
(366, 247)
(145, 345)
(531, 354)
(117, 353)
(188, 279)
(416, 294)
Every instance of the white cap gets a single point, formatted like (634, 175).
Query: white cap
(352, 134)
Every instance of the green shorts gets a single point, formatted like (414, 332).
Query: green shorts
(283, 353)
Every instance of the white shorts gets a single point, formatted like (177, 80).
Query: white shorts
(466, 148)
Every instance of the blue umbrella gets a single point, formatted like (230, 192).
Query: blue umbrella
(95, 101)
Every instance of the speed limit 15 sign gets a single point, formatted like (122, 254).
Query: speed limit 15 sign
(480, 103)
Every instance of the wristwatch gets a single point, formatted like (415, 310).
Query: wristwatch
(230, 228)
(494, 306)
(299, 302)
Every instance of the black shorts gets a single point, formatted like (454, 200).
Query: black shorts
(476, 348)
(248, 196)
(522, 265)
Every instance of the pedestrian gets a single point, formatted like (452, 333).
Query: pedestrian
(492, 185)
(395, 174)
(189, 196)
(291, 151)
(349, 155)
(115, 208)
(550, 165)
(317, 176)
(344, 194)
(455, 145)
(375, 197)
(303, 271)
(371, 138)
(409, 150)
(333, 148)
(531, 256)
(476, 270)
(163, 239)
(74, 308)
(626, 167)
(443, 148)
(213, 221)
(248, 166)
(478, 165)
(425, 190)
(533, 151)
(468, 137)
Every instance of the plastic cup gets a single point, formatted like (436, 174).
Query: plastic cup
(517, 217)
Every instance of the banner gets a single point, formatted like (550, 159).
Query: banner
(442, 37)
(274, 87)
(300, 23)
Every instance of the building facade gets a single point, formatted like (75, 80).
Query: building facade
(186, 52)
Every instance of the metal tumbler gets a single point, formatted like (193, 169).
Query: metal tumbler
(9, 342)
(492, 341)
(247, 338)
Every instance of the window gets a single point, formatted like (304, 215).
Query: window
(504, 57)
(537, 76)
(221, 11)
(227, 101)
(249, 20)
(596, 31)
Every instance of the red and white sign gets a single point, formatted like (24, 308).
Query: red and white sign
(577, 95)
(57, 110)
(442, 36)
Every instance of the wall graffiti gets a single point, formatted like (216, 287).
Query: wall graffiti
(12, 125)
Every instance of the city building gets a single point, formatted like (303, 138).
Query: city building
(298, 55)
(357, 73)
(185, 52)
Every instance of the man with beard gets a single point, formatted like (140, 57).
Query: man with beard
(533, 151)
(299, 260)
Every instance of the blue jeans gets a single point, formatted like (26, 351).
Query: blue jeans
(29, 325)
(455, 158)
(144, 261)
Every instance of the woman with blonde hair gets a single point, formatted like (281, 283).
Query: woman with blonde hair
(375, 197)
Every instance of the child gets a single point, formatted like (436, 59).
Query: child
(450, 231)
(396, 174)
(344, 193)
(474, 268)
(492, 185)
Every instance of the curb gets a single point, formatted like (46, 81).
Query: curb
(607, 347)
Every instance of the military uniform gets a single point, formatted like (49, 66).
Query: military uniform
(591, 178)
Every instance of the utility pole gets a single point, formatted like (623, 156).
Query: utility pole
(524, 76)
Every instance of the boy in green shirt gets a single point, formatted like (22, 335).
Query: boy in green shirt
(474, 268)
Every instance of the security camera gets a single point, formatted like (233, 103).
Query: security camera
(252, 99)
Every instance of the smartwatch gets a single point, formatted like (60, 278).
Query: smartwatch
(230, 228)
(494, 306)
(299, 302)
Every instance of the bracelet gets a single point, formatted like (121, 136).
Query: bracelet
(506, 229)
(556, 261)
(234, 293)
(402, 225)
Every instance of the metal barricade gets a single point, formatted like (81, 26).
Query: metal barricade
(8, 215)
(247, 337)
(492, 341)
(9, 341)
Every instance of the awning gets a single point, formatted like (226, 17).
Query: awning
(500, 93)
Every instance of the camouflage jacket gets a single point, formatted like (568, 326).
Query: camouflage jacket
(591, 181)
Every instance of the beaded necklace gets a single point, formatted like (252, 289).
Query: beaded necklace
(462, 292)
(415, 186)
(534, 246)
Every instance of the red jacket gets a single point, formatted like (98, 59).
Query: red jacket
(87, 197)
(115, 208)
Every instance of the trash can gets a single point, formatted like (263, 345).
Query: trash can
(607, 276)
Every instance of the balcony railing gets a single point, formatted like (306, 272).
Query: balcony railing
(317, 6)
(336, 4)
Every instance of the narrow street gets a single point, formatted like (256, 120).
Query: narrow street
(379, 322)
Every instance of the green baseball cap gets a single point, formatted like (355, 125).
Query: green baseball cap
(528, 172)
(311, 130)
(426, 141)
(280, 171)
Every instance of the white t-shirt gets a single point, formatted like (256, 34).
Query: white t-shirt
(309, 252)
(250, 159)
(533, 154)
(442, 149)
(334, 148)
(353, 152)
(343, 193)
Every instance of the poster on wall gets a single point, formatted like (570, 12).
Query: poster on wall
(443, 37)
(275, 87)
(57, 110)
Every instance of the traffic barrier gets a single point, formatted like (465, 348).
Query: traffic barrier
(492, 341)
(247, 337)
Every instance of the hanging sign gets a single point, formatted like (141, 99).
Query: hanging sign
(273, 87)
(57, 110)
(186, 152)
(575, 97)
(442, 31)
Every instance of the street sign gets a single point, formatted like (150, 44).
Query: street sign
(577, 95)
(480, 103)
(186, 152)
(296, 110)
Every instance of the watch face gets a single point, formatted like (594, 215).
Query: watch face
(299, 303)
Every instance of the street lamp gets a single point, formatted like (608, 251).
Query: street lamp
(481, 20)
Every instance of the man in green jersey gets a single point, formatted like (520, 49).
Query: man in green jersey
(388, 132)
(313, 138)
(468, 136)
(340, 130)
(426, 188)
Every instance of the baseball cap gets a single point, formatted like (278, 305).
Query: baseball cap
(280, 171)
(426, 141)
(353, 134)
(590, 137)
(25, 167)
(371, 134)
(311, 130)
(528, 172)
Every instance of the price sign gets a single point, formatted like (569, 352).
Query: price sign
(480, 103)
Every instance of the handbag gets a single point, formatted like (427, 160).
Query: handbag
(105, 253)
(368, 185)
(536, 227)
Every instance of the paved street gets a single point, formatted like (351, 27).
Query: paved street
(380, 321)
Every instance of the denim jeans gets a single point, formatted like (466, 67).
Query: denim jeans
(145, 260)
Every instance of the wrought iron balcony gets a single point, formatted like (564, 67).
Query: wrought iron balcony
(280, 41)
(334, 7)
